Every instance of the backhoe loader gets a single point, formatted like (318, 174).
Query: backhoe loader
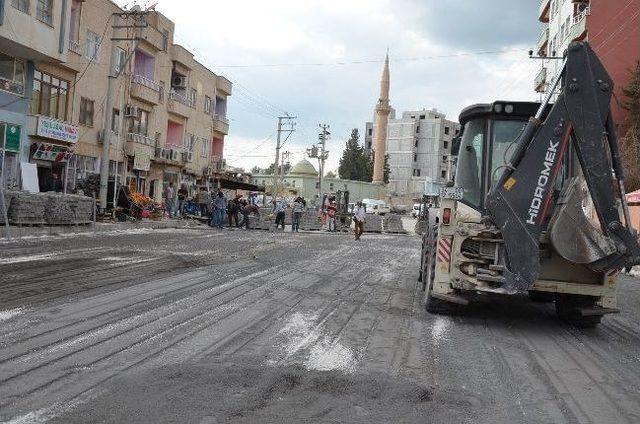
(538, 203)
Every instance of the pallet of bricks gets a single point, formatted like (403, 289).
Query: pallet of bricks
(392, 223)
(24, 208)
(262, 221)
(373, 224)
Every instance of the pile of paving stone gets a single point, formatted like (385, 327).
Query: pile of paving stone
(67, 209)
(25, 208)
(310, 221)
(373, 223)
(392, 223)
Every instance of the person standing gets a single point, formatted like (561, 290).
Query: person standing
(183, 193)
(219, 206)
(170, 198)
(204, 200)
(297, 210)
(247, 210)
(332, 209)
(358, 219)
(57, 184)
(279, 211)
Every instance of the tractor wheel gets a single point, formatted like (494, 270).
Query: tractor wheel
(541, 297)
(567, 309)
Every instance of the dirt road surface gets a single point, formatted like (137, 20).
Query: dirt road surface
(204, 326)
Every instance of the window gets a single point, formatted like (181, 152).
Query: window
(469, 169)
(93, 45)
(444, 158)
(505, 134)
(443, 173)
(119, 58)
(74, 21)
(416, 143)
(140, 124)
(205, 148)
(193, 96)
(50, 96)
(21, 5)
(43, 11)
(446, 130)
(370, 131)
(416, 172)
(423, 116)
(207, 104)
(563, 31)
(417, 129)
(115, 117)
(415, 157)
(86, 112)
(445, 144)
(165, 40)
(11, 74)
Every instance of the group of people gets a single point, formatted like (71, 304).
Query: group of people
(297, 208)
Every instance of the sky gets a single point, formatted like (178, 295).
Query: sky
(321, 61)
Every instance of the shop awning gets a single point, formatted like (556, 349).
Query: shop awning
(238, 185)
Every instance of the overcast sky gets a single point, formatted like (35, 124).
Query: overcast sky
(307, 39)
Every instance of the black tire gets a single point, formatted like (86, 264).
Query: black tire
(567, 309)
(541, 297)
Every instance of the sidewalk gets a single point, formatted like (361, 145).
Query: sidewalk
(100, 227)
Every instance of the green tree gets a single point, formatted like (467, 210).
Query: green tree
(330, 174)
(256, 170)
(630, 143)
(283, 168)
(355, 163)
(387, 170)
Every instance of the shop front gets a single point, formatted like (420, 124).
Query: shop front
(138, 167)
(52, 143)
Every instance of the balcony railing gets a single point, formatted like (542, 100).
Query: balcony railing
(220, 118)
(149, 83)
(540, 82)
(543, 10)
(74, 46)
(141, 138)
(180, 98)
(543, 39)
(579, 24)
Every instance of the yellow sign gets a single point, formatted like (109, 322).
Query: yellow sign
(508, 185)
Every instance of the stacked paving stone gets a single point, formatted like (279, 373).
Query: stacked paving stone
(310, 221)
(26, 208)
(373, 224)
(67, 209)
(421, 226)
(392, 223)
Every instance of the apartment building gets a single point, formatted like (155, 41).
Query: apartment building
(419, 149)
(168, 120)
(612, 27)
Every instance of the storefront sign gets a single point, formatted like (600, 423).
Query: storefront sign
(56, 130)
(50, 152)
(141, 160)
(12, 138)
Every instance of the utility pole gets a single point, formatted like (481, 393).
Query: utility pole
(285, 160)
(285, 124)
(115, 71)
(321, 154)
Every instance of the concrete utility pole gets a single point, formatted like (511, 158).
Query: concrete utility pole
(285, 160)
(285, 124)
(321, 154)
(114, 74)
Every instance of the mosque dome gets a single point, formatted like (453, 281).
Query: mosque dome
(304, 167)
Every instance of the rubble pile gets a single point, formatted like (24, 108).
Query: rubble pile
(373, 224)
(392, 223)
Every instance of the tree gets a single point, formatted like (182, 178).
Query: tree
(630, 143)
(387, 170)
(330, 174)
(355, 162)
(256, 170)
(284, 169)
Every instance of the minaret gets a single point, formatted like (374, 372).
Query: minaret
(380, 131)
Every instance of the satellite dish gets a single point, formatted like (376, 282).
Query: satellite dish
(136, 8)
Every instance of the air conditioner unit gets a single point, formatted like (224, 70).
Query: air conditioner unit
(185, 156)
(175, 154)
(166, 154)
(178, 81)
(130, 111)
(159, 152)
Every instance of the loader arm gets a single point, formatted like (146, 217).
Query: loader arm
(523, 198)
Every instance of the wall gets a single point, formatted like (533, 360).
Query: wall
(614, 33)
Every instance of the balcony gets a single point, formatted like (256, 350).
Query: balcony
(141, 139)
(540, 83)
(145, 89)
(182, 56)
(152, 37)
(543, 11)
(168, 155)
(224, 85)
(543, 41)
(74, 46)
(220, 124)
(179, 104)
(578, 29)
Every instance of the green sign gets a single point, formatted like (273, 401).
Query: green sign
(12, 137)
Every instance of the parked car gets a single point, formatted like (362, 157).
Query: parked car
(377, 207)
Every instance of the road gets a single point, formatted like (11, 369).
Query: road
(205, 326)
